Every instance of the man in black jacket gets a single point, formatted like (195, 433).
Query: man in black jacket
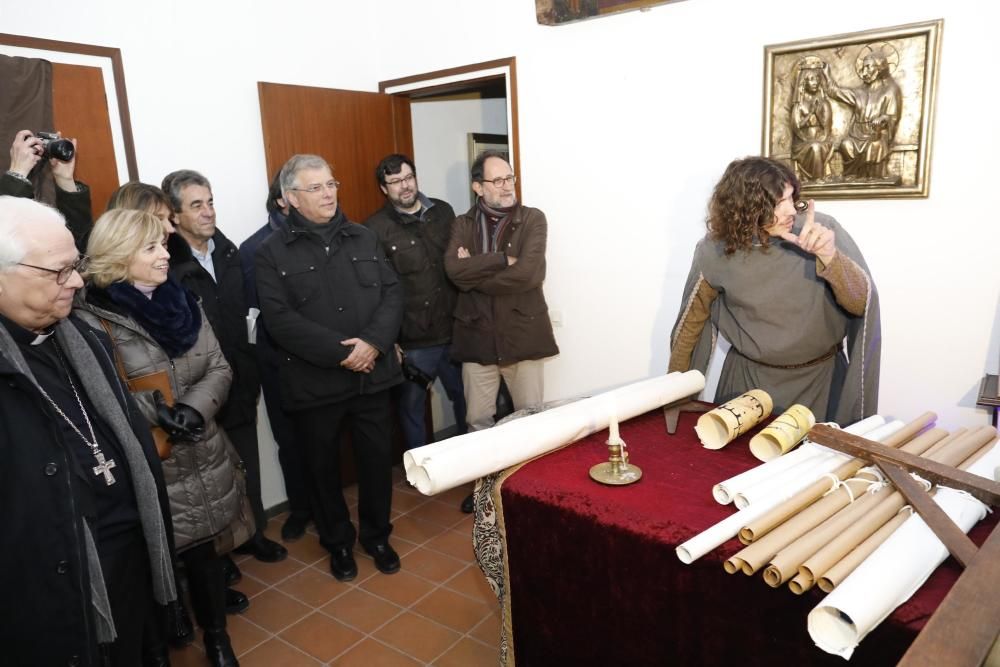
(86, 536)
(414, 231)
(208, 263)
(333, 306)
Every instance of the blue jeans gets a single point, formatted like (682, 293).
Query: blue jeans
(436, 362)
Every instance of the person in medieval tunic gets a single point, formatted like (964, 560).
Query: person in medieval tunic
(791, 292)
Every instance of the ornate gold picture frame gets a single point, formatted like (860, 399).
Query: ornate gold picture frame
(854, 114)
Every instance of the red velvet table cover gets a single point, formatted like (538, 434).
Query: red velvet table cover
(594, 579)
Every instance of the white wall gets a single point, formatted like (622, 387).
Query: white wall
(626, 122)
(441, 143)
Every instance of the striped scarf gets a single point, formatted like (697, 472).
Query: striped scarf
(492, 222)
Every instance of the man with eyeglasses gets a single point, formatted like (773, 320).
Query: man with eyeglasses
(86, 530)
(333, 307)
(496, 257)
(414, 230)
(205, 261)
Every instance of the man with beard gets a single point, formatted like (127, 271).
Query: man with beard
(496, 257)
(414, 231)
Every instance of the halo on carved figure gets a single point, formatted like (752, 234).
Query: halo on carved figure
(885, 49)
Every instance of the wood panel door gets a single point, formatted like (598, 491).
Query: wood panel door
(80, 110)
(352, 130)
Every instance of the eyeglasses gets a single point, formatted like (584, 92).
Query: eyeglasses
(409, 178)
(501, 181)
(316, 187)
(81, 264)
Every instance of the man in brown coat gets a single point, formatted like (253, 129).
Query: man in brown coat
(496, 258)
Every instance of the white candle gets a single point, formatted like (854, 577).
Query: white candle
(613, 436)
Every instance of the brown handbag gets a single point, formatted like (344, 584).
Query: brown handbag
(159, 381)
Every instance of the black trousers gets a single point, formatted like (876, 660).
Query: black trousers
(318, 430)
(290, 454)
(244, 438)
(130, 592)
(207, 585)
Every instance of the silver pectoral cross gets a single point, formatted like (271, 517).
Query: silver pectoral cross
(104, 468)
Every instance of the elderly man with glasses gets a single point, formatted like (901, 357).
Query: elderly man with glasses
(86, 529)
(333, 307)
(496, 257)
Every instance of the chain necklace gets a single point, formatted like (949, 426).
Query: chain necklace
(104, 466)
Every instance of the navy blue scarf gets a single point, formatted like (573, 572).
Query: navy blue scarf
(172, 317)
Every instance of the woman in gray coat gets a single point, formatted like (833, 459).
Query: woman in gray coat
(157, 325)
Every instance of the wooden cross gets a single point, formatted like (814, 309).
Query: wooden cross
(964, 627)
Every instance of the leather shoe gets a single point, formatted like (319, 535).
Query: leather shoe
(342, 564)
(386, 558)
(294, 527)
(236, 602)
(469, 504)
(263, 549)
(219, 650)
(230, 570)
(180, 631)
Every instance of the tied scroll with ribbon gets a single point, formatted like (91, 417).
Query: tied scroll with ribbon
(732, 419)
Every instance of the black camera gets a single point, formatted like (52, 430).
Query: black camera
(55, 146)
(414, 374)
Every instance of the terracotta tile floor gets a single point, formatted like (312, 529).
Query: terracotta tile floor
(438, 610)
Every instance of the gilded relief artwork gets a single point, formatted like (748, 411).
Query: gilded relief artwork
(557, 12)
(853, 114)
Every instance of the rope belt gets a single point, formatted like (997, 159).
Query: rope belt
(818, 360)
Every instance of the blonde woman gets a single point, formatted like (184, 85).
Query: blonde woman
(157, 325)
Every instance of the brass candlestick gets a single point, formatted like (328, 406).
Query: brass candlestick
(616, 471)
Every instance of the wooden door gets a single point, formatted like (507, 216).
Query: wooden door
(352, 130)
(80, 110)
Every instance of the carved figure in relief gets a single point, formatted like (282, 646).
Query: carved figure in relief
(811, 119)
(877, 105)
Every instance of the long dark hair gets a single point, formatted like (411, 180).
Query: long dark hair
(742, 204)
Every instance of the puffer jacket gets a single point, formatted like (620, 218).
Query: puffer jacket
(201, 474)
(415, 247)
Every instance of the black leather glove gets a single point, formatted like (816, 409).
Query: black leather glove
(179, 421)
(190, 419)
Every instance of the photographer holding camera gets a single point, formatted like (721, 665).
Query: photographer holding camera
(72, 197)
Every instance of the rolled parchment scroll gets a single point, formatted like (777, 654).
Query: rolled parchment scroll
(732, 419)
(783, 433)
(444, 465)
